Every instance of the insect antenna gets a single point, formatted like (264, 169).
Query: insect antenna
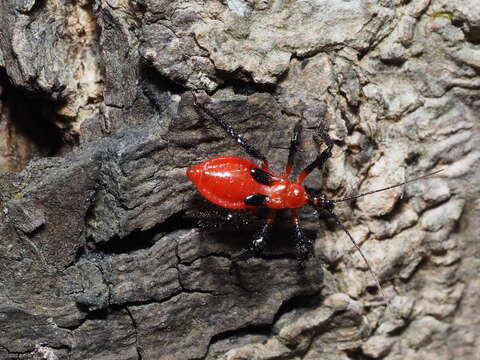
(328, 208)
(386, 188)
(372, 273)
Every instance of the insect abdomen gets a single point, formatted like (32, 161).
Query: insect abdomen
(225, 181)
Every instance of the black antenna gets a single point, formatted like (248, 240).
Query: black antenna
(339, 223)
(386, 188)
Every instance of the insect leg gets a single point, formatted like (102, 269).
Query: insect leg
(294, 143)
(260, 239)
(320, 159)
(303, 244)
(249, 148)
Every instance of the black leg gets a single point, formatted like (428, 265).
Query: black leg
(218, 218)
(260, 239)
(294, 143)
(303, 244)
(321, 158)
(249, 148)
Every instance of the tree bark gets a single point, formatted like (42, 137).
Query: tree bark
(102, 255)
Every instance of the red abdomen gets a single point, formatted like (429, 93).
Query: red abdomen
(226, 181)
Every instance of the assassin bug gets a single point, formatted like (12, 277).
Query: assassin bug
(236, 183)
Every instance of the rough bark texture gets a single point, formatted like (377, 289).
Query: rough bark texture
(98, 259)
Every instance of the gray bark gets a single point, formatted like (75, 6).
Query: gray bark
(98, 257)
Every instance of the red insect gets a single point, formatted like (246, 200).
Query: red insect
(236, 183)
